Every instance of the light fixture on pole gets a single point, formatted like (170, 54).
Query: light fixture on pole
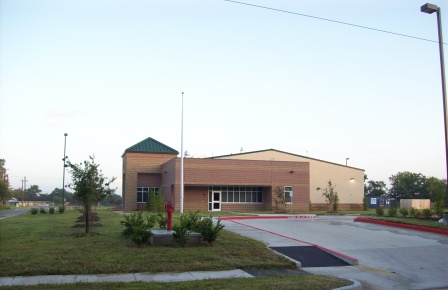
(63, 173)
(431, 8)
(181, 204)
(346, 159)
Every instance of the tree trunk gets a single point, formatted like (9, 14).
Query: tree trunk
(87, 219)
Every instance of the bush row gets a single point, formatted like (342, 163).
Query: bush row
(139, 229)
(51, 210)
(404, 212)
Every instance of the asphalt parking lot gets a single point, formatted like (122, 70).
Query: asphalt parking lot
(388, 257)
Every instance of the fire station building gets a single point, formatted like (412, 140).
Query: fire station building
(236, 182)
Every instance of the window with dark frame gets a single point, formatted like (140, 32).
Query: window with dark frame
(287, 190)
(239, 194)
(143, 193)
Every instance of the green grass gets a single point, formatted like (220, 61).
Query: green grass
(44, 244)
(412, 221)
(305, 282)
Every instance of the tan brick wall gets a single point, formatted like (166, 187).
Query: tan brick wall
(267, 174)
(201, 173)
(350, 191)
(135, 163)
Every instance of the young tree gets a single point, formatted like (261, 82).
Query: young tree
(331, 196)
(90, 185)
(279, 198)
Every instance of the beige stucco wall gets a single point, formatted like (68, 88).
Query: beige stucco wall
(349, 191)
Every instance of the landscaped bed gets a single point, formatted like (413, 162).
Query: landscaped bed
(427, 225)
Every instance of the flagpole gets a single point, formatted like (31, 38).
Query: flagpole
(182, 159)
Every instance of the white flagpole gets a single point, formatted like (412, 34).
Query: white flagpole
(182, 159)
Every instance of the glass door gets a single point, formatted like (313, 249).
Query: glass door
(214, 201)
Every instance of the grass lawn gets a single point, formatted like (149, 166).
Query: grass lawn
(49, 244)
(46, 244)
(411, 221)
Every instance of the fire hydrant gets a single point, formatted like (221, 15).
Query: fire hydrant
(169, 213)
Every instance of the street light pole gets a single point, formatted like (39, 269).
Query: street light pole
(181, 203)
(63, 173)
(431, 8)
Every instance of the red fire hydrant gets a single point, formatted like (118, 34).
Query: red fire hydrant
(169, 219)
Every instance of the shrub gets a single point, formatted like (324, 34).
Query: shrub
(42, 210)
(141, 235)
(379, 211)
(51, 210)
(404, 212)
(336, 203)
(180, 234)
(61, 209)
(427, 212)
(439, 212)
(208, 231)
(190, 220)
(365, 204)
(136, 227)
(134, 220)
(161, 220)
(159, 202)
(392, 211)
(414, 212)
(34, 210)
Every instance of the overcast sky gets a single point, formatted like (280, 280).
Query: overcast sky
(112, 73)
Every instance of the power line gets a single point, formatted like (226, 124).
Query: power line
(331, 20)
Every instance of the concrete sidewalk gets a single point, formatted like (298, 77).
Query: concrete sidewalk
(131, 277)
(136, 277)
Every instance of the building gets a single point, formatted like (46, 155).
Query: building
(237, 182)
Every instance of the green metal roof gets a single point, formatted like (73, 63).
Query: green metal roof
(150, 145)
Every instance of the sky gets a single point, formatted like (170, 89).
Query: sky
(111, 73)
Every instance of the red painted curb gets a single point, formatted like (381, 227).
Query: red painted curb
(403, 226)
(255, 217)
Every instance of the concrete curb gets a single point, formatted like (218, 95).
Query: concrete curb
(356, 286)
(137, 277)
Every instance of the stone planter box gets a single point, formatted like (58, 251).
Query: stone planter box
(162, 237)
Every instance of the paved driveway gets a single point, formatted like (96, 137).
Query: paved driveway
(12, 212)
(389, 258)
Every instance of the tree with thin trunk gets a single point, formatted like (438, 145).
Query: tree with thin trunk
(331, 196)
(90, 186)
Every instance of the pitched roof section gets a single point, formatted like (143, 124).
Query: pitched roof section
(150, 145)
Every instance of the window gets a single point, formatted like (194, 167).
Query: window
(288, 194)
(239, 194)
(143, 193)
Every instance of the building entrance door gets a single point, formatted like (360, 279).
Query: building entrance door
(214, 201)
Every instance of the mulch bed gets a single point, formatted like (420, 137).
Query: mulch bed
(92, 217)
(84, 225)
(82, 235)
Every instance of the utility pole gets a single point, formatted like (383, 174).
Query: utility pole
(24, 182)
(23, 193)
